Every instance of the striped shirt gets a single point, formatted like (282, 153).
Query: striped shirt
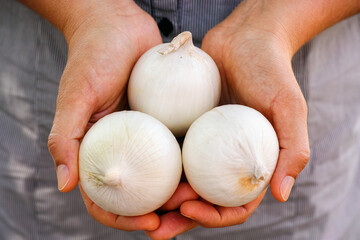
(325, 201)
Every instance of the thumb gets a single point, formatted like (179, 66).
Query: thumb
(290, 123)
(73, 111)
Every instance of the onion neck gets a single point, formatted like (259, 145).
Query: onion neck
(184, 39)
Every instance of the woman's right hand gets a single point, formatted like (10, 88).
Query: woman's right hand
(103, 48)
(105, 41)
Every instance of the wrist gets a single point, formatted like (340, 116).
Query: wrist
(292, 23)
(68, 16)
(95, 13)
(256, 20)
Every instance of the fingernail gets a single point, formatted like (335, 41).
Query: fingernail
(286, 186)
(62, 173)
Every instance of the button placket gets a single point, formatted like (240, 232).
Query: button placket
(165, 14)
(165, 26)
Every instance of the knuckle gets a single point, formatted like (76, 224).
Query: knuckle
(289, 101)
(302, 157)
(212, 37)
(52, 142)
(208, 36)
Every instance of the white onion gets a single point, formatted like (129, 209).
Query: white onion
(175, 82)
(130, 163)
(229, 155)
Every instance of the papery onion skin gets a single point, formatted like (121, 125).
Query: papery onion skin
(175, 82)
(129, 163)
(229, 155)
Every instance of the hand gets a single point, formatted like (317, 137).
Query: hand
(212, 216)
(172, 222)
(168, 225)
(253, 53)
(104, 44)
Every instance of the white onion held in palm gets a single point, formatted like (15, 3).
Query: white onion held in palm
(129, 163)
(229, 155)
(175, 82)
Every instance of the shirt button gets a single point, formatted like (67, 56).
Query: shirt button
(165, 26)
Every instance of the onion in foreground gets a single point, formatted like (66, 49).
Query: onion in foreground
(129, 163)
(229, 155)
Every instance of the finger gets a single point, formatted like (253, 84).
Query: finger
(290, 123)
(149, 221)
(69, 126)
(183, 193)
(73, 111)
(171, 225)
(76, 104)
(216, 216)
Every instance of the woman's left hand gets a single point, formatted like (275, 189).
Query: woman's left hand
(253, 53)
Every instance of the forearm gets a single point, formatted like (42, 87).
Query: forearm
(295, 22)
(59, 13)
(305, 19)
(67, 15)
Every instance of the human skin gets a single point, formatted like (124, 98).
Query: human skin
(105, 41)
(252, 47)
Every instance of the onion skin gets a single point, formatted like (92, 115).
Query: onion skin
(229, 155)
(129, 163)
(176, 83)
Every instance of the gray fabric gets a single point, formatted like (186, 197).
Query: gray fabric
(32, 57)
(325, 200)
